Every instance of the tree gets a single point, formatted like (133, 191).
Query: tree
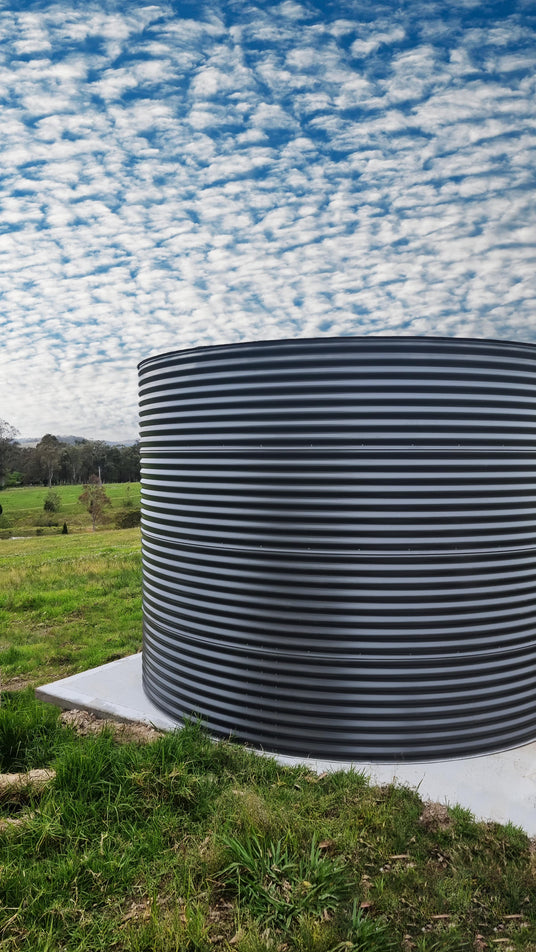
(49, 451)
(130, 463)
(7, 437)
(29, 466)
(95, 500)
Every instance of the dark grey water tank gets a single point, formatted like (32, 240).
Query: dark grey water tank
(339, 543)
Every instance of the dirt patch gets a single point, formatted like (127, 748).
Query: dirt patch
(84, 724)
(34, 781)
(14, 823)
(138, 911)
(222, 917)
(16, 684)
(435, 816)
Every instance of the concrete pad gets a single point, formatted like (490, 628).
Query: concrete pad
(500, 787)
(113, 689)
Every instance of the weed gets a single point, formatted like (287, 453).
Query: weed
(277, 884)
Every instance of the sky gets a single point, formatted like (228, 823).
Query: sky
(192, 173)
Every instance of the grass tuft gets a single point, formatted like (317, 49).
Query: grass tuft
(278, 883)
(29, 734)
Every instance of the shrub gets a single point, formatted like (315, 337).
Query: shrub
(14, 478)
(52, 502)
(44, 520)
(127, 518)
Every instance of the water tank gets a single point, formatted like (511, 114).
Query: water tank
(339, 544)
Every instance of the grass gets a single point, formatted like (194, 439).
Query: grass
(68, 603)
(280, 885)
(24, 513)
(191, 844)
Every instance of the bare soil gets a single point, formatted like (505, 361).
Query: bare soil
(84, 723)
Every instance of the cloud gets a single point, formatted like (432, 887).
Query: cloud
(376, 40)
(255, 172)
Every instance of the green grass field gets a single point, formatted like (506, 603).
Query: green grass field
(24, 514)
(68, 603)
(190, 844)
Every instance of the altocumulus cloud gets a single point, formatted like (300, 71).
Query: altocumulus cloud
(176, 174)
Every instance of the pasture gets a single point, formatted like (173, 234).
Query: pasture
(68, 603)
(23, 511)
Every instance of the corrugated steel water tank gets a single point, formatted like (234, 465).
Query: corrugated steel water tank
(339, 544)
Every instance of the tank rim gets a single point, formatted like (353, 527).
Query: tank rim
(295, 341)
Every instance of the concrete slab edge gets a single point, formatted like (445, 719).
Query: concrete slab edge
(500, 787)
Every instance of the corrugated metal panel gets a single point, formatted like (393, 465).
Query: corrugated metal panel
(338, 543)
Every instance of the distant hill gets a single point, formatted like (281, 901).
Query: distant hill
(33, 441)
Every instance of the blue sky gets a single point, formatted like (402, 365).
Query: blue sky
(189, 173)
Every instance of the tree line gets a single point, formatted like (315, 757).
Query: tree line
(55, 463)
